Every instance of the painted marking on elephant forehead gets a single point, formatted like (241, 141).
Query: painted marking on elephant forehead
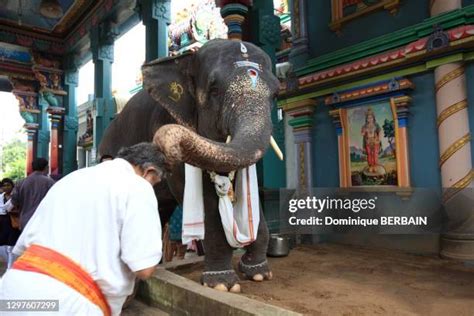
(246, 63)
(243, 50)
(176, 90)
(253, 74)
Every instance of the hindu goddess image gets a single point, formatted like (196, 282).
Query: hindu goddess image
(371, 143)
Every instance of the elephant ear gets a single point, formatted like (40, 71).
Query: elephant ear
(169, 82)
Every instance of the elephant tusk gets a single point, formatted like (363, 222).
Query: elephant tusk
(276, 148)
(228, 139)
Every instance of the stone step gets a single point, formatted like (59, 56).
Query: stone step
(180, 296)
(137, 308)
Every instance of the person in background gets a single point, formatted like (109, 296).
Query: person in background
(8, 234)
(29, 192)
(173, 245)
(94, 232)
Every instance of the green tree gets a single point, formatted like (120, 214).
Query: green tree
(389, 132)
(14, 160)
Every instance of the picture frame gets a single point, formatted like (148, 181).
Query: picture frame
(342, 15)
(372, 143)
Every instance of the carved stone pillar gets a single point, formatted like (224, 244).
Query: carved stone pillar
(102, 45)
(48, 72)
(25, 91)
(156, 16)
(44, 133)
(455, 160)
(55, 115)
(400, 106)
(302, 123)
(70, 119)
(300, 49)
(31, 129)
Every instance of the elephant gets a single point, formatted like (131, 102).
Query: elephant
(189, 106)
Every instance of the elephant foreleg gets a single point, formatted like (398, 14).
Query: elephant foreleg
(218, 272)
(254, 262)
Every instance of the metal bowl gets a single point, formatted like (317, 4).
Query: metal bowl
(278, 246)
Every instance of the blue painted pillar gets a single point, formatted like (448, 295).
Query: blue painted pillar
(156, 16)
(300, 50)
(43, 130)
(70, 118)
(102, 45)
(265, 33)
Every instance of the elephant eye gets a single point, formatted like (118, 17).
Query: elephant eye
(214, 91)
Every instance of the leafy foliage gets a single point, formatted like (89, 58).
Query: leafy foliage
(389, 132)
(13, 162)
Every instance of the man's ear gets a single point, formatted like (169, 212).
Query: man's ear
(170, 82)
(152, 175)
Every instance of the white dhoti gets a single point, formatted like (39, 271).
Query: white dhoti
(240, 220)
(25, 285)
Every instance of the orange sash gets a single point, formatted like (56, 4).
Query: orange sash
(43, 260)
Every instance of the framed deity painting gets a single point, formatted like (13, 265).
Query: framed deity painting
(372, 147)
(372, 141)
(344, 11)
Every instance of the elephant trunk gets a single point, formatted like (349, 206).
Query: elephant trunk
(250, 133)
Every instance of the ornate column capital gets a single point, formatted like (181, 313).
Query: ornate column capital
(401, 104)
(55, 115)
(71, 78)
(301, 113)
(71, 70)
(102, 41)
(234, 13)
(31, 128)
(149, 10)
(302, 122)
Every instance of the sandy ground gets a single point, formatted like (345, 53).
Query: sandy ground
(344, 280)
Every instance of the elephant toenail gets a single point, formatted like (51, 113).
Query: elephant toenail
(221, 287)
(258, 277)
(235, 288)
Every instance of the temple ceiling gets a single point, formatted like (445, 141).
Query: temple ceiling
(52, 17)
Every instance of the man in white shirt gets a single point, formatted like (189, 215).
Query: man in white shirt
(93, 233)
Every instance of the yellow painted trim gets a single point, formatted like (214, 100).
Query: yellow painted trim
(449, 77)
(457, 145)
(393, 107)
(452, 109)
(346, 153)
(458, 186)
(302, 184)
